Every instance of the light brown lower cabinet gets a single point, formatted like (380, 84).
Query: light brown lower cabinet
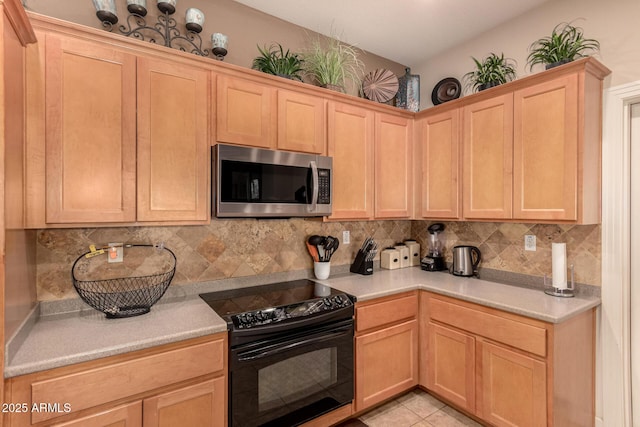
(506, 369)
(129, 415)
(386, 353)
(177, 384)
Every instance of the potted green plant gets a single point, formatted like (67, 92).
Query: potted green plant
(274, 60)
(331, 63)
(565, 44)
(494, 70)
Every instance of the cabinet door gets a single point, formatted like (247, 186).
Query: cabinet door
(90, 132)
(245, 113)
(386, 363)
(129, 415)
(393, 166)
(545, 165)
(301, 122)
(487, 158)
(173, 144)
(513, 388)
(203, 404)
(439, 146)
(451, 368)
(351, 146)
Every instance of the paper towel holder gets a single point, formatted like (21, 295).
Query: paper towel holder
(560, 292)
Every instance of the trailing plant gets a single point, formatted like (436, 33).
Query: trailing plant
(329, 62)
(274, 60)
(565, 44)
(492, 71)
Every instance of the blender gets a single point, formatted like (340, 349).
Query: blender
(434, 260)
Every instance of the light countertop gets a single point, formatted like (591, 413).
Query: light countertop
(54, 340)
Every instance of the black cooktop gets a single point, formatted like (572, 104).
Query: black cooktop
(259, 305)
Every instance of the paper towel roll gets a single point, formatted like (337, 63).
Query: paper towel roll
(559, 265)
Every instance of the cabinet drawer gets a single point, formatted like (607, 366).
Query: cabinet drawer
(96, 386)
(386, 310)
(516, 334)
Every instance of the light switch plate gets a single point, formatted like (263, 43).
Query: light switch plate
(346, 237)
(529, 242)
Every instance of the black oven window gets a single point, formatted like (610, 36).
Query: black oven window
(296, 378)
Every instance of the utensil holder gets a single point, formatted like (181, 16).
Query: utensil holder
(321, 269)
(361, 265)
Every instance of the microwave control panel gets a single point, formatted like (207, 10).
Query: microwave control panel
(324, 186)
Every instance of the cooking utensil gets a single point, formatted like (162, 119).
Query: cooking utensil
(313, 251)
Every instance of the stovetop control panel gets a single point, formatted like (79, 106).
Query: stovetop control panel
(278, 314)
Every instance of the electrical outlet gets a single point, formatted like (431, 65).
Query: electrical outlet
(346, 237)
(529, 242)
(115, 253)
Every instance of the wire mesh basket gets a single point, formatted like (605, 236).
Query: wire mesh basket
(122, 296)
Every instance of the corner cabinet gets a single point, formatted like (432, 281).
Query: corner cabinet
(386, 348)
(133, 390)
(506, 369)
(117, 138)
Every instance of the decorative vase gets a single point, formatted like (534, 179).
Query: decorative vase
(408, 96)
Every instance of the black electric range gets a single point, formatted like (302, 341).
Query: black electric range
(278, 307)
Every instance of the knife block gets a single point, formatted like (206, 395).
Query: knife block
(361, 265)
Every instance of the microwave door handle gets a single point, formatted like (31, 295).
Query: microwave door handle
(314, 195)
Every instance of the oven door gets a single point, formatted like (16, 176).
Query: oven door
(289, 380)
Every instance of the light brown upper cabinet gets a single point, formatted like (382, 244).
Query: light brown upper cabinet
(437, 151)
(350, 143)
(173, 145)
(393, 166)
(546, 152)
(301, 122)
(245, 112)
(261, 115)
(116, 138)
(90, 106)
(487, 158)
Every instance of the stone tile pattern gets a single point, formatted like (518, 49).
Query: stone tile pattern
(416, 408)
(246, 247)
(224, 249)
(502, 246)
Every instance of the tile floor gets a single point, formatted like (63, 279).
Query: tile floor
(414, 409)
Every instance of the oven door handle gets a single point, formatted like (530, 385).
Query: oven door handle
(260, 354)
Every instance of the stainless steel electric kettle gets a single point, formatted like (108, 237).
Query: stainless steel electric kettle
(465, 261)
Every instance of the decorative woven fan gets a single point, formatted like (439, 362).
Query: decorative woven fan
(380, 85)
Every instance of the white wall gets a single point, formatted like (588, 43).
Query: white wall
(614, 23)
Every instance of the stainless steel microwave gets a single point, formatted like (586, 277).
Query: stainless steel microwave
(254, 182)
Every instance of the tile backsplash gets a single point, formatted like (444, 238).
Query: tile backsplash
(247, 247)
(502, 246)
